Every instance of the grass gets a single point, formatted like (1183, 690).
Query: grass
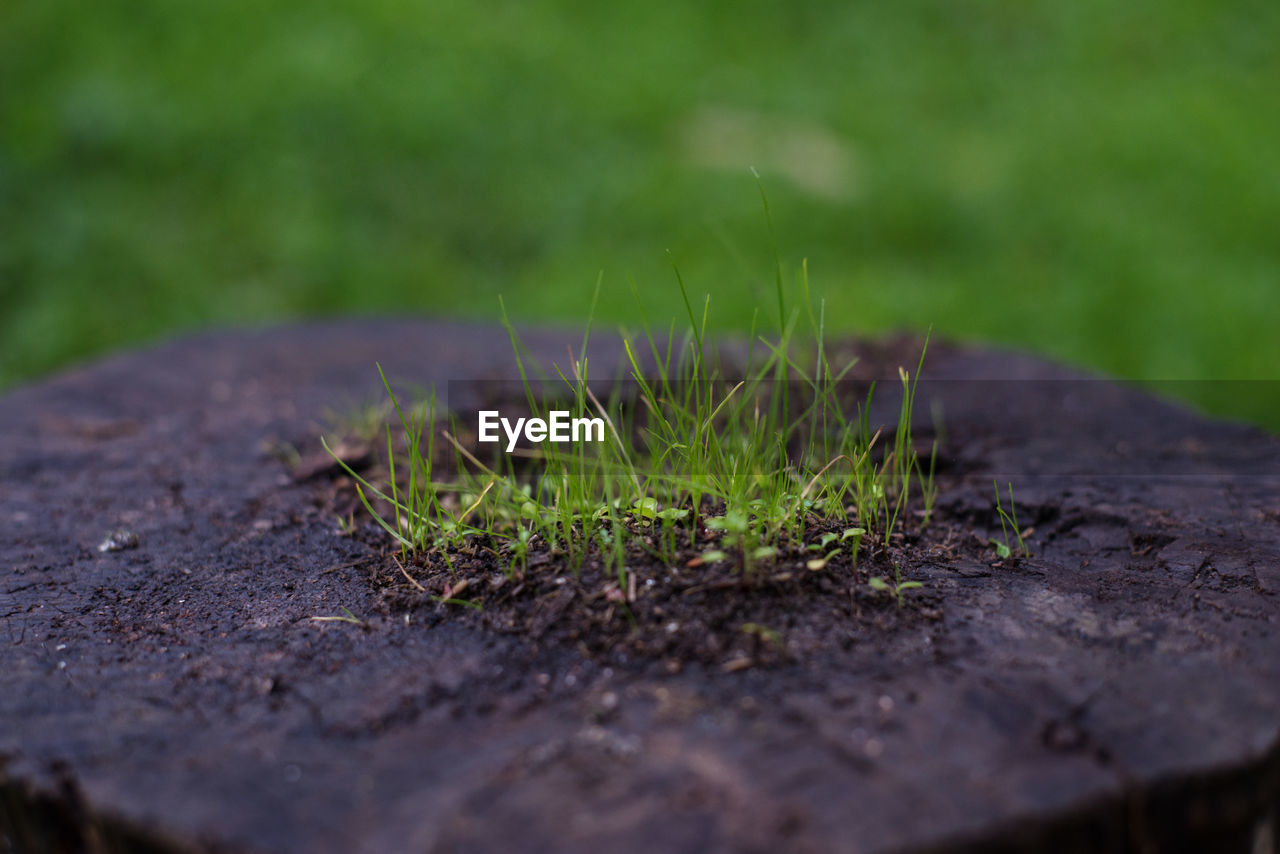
(1008, 521)
(1085, 179)
(897, 586)
(706, 461)
(346, 617)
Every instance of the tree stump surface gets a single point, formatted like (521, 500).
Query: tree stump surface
(1117, 691)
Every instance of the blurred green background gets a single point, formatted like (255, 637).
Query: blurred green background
(1098, 182)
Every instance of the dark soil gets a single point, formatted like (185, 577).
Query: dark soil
(1118, 691)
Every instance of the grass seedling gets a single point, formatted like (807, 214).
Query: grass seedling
(831, 543)
(1008, 520)
(896, 587)
(928, 485)
(454, 600)
(763, 633)
(665, 521)
(347, 617)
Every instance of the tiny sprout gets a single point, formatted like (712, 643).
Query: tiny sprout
(348, 618)
(896, 587)
(1008, 519)
(766, 634)
(645, 507)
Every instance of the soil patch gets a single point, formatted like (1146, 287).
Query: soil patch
(1120, 690)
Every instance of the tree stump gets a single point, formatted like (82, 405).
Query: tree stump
(1117, 691)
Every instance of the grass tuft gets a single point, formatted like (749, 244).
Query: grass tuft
(724, 459)
(1008, 520)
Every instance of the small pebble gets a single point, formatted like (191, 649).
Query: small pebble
(119, 540)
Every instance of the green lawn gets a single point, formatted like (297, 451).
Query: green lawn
(1095, 182)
